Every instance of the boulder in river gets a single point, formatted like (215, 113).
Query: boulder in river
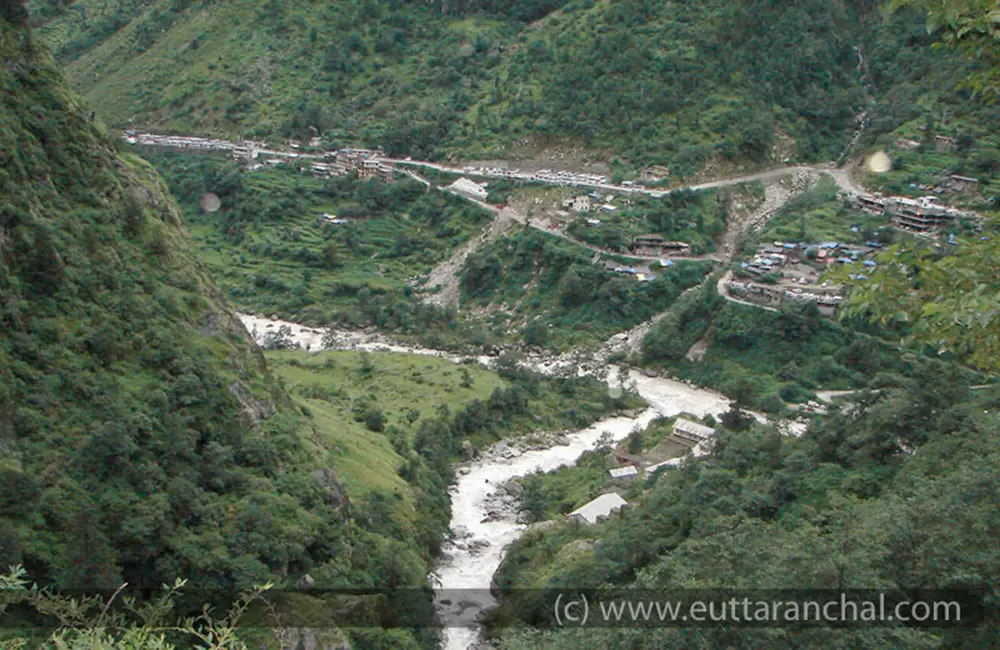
(468, 451)
(491, 516)
(513, 488)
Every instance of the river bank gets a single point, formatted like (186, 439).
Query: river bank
(484, 500)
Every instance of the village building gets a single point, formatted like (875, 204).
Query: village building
(672, 463)
(944, 144)
(469, 188)
(655, 173)
(656, 245)
(872, 204)
(369, 168)
(906, 143)
(578, 203)
(327, 169)
(600, 508)
(619, 473)
(691, 433)
(919, 215)
(957, 183)
(244, 153)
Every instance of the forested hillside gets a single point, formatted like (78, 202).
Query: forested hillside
(649, 82)
(141, 432)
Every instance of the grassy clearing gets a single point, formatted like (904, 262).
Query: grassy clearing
(338, 386)
(342, 390)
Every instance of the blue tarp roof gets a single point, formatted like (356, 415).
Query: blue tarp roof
(868, 263)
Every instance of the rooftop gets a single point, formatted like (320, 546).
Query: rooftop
(599, 508)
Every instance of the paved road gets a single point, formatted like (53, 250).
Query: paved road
(841, 176)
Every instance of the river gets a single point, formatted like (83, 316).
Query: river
(484, 516)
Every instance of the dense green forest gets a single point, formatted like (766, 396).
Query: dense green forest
(145, 438)
(646, 82)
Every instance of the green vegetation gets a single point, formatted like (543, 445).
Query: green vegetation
(764, 359)
(553, 494)
(820, 215)
(697, 218)
(273, 252)
(969, 25)
(373, 406)
(145, 439)
(721, 84)
(953, 305)
(946, 298)
(548, 292)
(882, 497)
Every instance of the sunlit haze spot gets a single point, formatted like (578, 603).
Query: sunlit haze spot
(210, 202)
(879, 162)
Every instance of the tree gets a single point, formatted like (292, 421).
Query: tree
(14, 11)
(951, 301)
(971, 26)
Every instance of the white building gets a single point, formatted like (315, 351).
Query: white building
(619, 473)
(578, 203)
(601, 507)
(469, 188)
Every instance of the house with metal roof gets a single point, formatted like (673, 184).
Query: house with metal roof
(598, 509)
(469, 188)
(690, 432)
(618, 473)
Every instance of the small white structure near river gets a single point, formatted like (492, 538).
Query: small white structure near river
(601, 507)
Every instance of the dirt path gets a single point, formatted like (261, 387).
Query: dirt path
(446, 274)
(723, 289)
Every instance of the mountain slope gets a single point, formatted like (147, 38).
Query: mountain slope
(648, 82)
(142, 437)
